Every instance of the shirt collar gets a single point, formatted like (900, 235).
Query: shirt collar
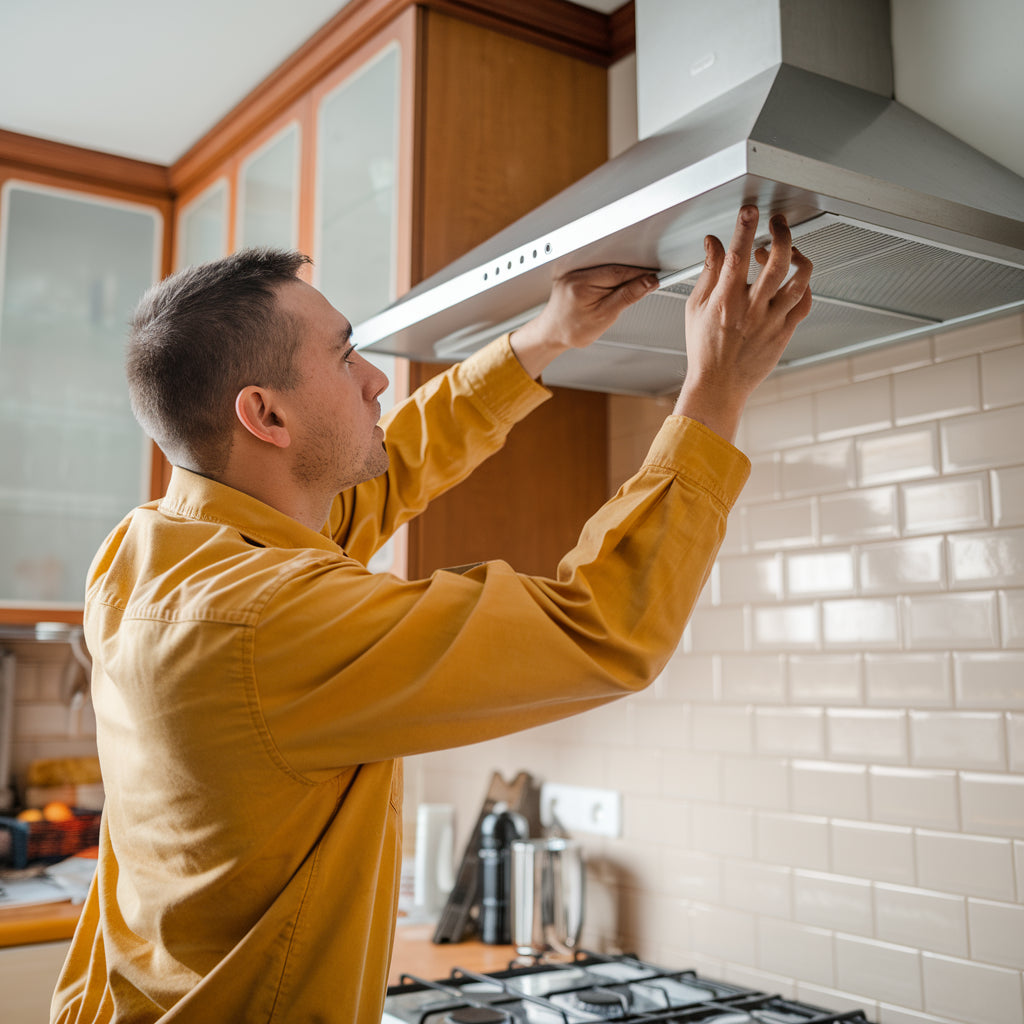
(200, 498)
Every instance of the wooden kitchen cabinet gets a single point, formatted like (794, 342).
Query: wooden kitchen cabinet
(425, 129)
(491, 108)
(28, 976)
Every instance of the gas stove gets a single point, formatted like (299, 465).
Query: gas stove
(593, 987)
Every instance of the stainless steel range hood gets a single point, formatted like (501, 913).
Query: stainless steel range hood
(910, 229)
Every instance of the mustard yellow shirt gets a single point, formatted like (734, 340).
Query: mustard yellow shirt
(256, 687)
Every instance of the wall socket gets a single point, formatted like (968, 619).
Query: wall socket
(597, 812)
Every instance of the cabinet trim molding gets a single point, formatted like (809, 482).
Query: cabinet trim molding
(558, 24)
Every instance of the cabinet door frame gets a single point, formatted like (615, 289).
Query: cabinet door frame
(18, 612)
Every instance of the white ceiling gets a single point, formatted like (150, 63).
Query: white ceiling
(142, 79)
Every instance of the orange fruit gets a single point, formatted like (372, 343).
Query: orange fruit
(57, 810)
(31, 814)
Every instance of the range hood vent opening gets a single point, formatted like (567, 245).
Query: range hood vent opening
(910, 230)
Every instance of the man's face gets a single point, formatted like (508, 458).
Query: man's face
(334, 409)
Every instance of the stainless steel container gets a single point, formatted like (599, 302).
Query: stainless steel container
(547, 895)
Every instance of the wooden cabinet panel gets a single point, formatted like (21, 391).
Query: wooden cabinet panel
(507, 124)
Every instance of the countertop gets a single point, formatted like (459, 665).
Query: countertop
(414, 952)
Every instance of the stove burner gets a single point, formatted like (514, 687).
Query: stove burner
(602, 1001)
(477, 1015)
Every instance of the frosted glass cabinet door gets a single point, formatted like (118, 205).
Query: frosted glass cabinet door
(73, 460)
(268, 194)
(357, 162)
(356, 204)
(203, 227)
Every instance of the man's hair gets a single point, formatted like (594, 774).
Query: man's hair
(200, 336)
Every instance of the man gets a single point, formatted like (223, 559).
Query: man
(256, 687)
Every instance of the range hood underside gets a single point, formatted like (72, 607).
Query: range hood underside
(898, 247)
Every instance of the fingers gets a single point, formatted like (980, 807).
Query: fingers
(714, 255)
(737, 256)
(775, 266)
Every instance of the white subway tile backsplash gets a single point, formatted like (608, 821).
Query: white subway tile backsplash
(712, 630)
(941, 621)
(989, 679)
(907, 454)
(825, 679)
(994, 558)
(985, 440)
(933, 392)
(993, 804)
(784, 424)
(926, 798)
(784, 627)
(757, 888)
(1008, 496)
(693, 876)
(795, 950)
(899, 566)
(997, 932)
(763, 484)
(867, 734)
(792, 840)
(729, 934)
(971, 865)
(870, 514)
(991, 334)
(726, 831)
(1015, 734)
(822, 787)
(794, 732)
(882, 853)
(782, 524)
(908, 680)
(819, 573)
(853, 409)
(1011, 617)
(952, 503)
(917, 917)
(690, 776)
(832, 901)
(861, 623)
(888, 972)
(758, 782)
(957, 739)
(1002, 377)
(723, 729)
(892, 358)
(819, 468)
(656, 820)
(750, 578)
(754, 679)
(971, 991)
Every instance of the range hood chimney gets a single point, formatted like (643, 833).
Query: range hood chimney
(782, 103)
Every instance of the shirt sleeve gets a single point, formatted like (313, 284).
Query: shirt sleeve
(353, 667)
(435, 439)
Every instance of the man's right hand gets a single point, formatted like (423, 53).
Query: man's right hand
(735, 332)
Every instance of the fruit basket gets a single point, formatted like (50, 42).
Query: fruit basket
(22, 842)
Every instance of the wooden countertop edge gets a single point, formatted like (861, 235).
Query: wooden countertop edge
(414, 953)
(49, 922)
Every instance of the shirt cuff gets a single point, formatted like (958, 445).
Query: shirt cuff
(692, 450)
(500, 384)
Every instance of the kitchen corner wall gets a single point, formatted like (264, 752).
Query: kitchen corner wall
(824, 790)
(45, 725)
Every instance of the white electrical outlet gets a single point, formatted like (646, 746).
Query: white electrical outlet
(581, 809)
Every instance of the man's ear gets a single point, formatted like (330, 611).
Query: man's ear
(258, 411)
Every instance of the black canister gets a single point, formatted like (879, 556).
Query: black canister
(497, 832)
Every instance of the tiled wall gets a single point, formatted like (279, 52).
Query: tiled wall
(44, 724)
(824, 791)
